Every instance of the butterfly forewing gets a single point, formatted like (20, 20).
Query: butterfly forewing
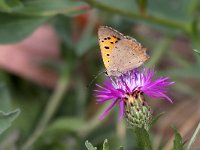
(108, 37)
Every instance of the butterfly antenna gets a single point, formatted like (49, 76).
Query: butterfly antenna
(95, 77)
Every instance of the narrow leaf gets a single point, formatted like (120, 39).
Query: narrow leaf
(105, 145)
(178, 142)
(65, 125)
(53, 7)
(90, 146)
(5, 98)
(14, 28)
(7, 118)
(196, 132)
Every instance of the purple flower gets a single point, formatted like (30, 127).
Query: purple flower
(115, 89)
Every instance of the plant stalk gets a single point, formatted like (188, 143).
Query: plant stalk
(49, 111)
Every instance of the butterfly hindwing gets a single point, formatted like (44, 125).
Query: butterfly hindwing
(127, 54)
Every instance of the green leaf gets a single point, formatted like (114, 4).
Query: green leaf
(7, 118)
(66, 125)
(143, 138)
(196, 132)
(14, 28)
(168, 9)
(156, 15)
(52, 7)
(197, 51)
(105, 145)
(90, 146)
(120, 148)
(178, 142)
(9, 5)
(5, 99)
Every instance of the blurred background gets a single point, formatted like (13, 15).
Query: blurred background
(49, 53)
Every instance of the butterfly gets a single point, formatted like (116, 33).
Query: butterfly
(120, 53)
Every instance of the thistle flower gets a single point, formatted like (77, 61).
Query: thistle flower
(127, 91)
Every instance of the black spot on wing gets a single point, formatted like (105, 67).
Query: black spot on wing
(106, 47)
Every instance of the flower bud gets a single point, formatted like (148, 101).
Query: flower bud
(137, 111)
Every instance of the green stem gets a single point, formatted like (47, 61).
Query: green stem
(143, 139)
(50, 110)
(152, 19)
(194, 136)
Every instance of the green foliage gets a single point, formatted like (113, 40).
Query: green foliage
(121, 148)
(197, 51)
(15, 27)
(7, 118)
(90, 146)
(51, 7)
(5, 99)
(161, 14)
(178, 142)
(143, 138)
(18, 23)
(9, 5)
(65, 125)
(105, 145)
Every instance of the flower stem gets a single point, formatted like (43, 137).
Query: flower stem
(50, 110)
(152, 19)
(143, 139)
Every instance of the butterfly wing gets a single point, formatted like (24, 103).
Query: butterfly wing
(108, 37)
(127, 54)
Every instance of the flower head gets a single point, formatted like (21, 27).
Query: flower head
(117, 89)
